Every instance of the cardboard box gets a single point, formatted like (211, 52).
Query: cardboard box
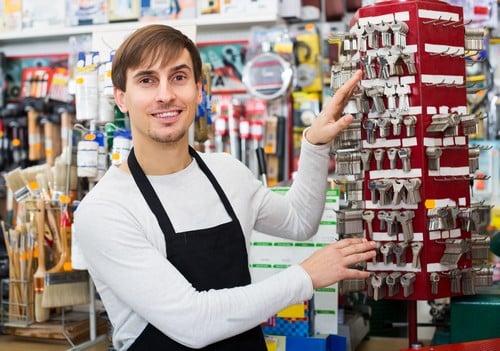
(270, 254)
(295, 320)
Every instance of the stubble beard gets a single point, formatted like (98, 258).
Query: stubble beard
(169, 138)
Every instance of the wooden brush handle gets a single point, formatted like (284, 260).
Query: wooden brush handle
(40, 239)
(41, 314)
(34, 136)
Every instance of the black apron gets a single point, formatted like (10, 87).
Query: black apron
(212, 258)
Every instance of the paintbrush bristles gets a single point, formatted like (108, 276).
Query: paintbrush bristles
(66, 289)
(16, 182)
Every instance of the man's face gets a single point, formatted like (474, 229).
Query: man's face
(161, 101)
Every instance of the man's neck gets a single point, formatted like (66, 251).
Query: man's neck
(167, 159)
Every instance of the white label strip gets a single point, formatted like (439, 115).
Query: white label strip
(438, 15)
(441, 79)
(455, 233)
(431, 110)
(444, 203)
(396, 173)
(408, 142)
(408, 80)
(454, 171)
(462, 201)
(461, 140)
(410, 49)
(438, 267)
(459, 109)
(444, 50)
(433, 142)
(415, 110)
(448, 141)
(389, 18)
(402, 16)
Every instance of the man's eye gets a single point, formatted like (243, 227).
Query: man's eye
(146, 80)
(179, 77)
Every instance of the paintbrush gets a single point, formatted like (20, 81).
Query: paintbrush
(41, 314)
(15, 181)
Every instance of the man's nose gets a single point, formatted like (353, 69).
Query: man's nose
(164, 92)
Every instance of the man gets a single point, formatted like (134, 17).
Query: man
(165, 235)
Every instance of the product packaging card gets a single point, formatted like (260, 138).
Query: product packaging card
(236, 7)
(87, 12)
(152, 10)
(44, 13)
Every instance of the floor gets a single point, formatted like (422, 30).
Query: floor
(15, 343)
(12, 343)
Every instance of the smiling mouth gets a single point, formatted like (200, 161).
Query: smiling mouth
(167, 115)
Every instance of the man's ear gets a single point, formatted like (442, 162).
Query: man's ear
(120, 99)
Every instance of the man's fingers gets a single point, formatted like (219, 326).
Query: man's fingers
(342, 95)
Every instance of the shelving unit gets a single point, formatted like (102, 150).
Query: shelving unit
(50, 40)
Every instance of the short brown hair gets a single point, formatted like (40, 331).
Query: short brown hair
(152, 43)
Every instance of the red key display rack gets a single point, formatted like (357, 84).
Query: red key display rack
(436, 38)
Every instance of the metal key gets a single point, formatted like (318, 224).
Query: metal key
(372, 34)
(379, 154)
(368, 66)
(434, 156)
(366, 156)
(369, 125)
(393, 282)
(412, 187)
(392, 223)
(400, 253)
(384, 126)
(379, 285)
(409, 60)
(434, 279)
(386, 251)
(416, 248)
(410, 122)
(405, 218)
(368, 216)
(381, 215)
(474, 159)
(369, 286)
(407, 282)
(454, 250)
(385, 34)
(455, 279)
(399, 30)
(468, 278)
(397, 122)
(383, 187)
(390, 94)
(376, 93)
(404, 154)
(399, 194)
(372, 186)
(403, 91)
(384, 67)
(392, 154)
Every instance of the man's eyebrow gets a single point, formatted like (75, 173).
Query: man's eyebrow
(143, 72)
(172, 69)
(180, 67)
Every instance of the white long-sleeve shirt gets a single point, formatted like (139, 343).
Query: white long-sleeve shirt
(118, 239)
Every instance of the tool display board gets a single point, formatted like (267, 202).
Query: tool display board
(413, 164)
